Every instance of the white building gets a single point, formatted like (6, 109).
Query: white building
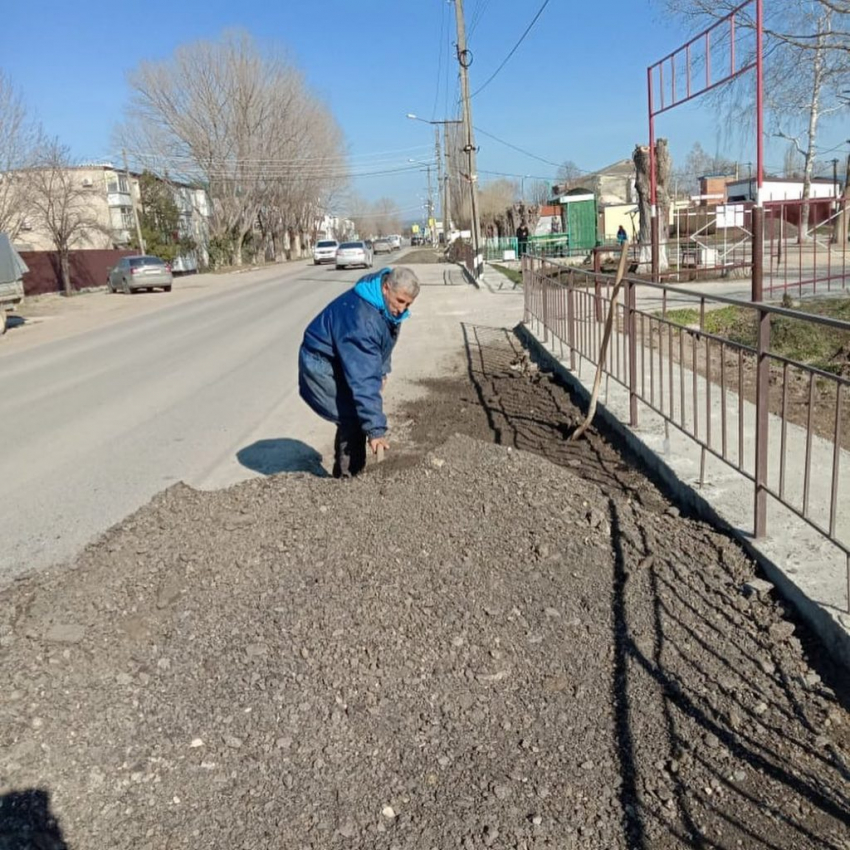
(777, 189)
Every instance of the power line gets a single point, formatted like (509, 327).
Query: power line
(477, 17)
(520, 150)
(439, 61)
(509, 174)
(513, 50)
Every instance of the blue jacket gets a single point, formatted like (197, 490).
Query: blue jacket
(345, 354)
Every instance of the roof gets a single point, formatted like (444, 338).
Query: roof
(621, 168)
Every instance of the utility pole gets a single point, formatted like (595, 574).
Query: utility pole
(133, 204)
(447, 192)
(432, 220)
(464, 59)
(440, 183)
(836, 227)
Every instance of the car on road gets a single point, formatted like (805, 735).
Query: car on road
(12, 271)
(325, 251)
(395, 241)
(382, 246)
(140, 272)
(353, 254)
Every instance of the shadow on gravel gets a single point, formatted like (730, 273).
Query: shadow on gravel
(728, 714)
(26, 822)
(270, 457)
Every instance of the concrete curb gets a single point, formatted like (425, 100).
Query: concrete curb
(834, 637)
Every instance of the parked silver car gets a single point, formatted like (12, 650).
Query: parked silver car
(353, 254)
(142, 272)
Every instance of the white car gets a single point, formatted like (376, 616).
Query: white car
(395, 241)
(324, 251)
(354, 254)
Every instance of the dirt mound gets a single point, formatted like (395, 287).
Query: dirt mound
(481, 650)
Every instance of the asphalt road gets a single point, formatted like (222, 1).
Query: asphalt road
(93, 426)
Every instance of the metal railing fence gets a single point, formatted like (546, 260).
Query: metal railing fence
(779, 423)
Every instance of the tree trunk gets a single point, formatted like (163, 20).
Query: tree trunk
(811, 136)
(65, 271)
(663, 169)
(640, 157)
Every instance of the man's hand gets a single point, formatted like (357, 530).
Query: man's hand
(378, 442)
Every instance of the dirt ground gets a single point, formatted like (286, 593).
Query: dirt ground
(495, 639)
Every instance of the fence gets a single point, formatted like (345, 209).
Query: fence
(779, 423)
(545, 245)
(805, 248)
(89, 269)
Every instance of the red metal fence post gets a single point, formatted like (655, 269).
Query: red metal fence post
(762, 423)
(571, 323)
(631, 327)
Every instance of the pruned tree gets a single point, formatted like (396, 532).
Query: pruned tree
(663, 170)
(60, 205)
(20, 139)
(244, 124)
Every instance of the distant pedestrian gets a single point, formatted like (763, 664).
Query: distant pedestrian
(345, 358)
(522, 238)
(622, 236)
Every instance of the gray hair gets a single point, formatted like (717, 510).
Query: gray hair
(403, 279)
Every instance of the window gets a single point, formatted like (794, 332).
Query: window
(127, 218)
(117, 183)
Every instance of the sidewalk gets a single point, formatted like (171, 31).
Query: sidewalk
(808, 570)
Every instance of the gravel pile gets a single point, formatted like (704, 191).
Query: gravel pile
(481, 650)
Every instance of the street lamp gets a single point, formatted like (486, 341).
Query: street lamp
(442, 175)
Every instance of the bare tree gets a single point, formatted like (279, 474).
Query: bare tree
(61, 205)
(245, 125)
(494, 200)
(539, 192)
(20, 139)
(569, 175)
(793, 164)
(697, 164)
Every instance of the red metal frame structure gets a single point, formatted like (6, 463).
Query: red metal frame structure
(670, 97)
(664, 94)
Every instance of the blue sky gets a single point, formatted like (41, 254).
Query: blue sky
(575, 89)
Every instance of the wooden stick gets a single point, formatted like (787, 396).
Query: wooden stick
(603, 349)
